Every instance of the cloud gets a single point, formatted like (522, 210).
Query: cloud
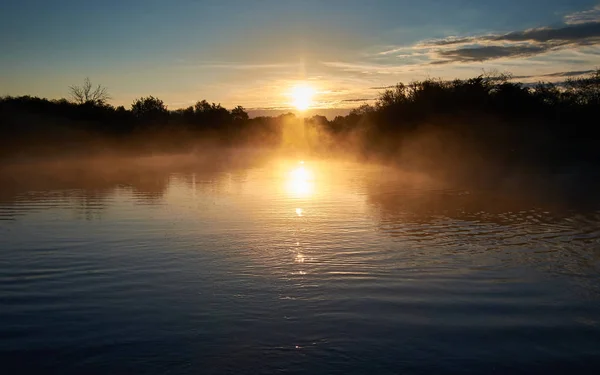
(583, 33)
(487, 52)
(242, 66)
(359, 100)
(392, 51)
(369, 68)
(382, 87)
(572, 73)
(581, 29)
(586, 16)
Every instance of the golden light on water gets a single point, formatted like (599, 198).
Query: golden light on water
(300, 183)
(302, 97)
(301, 174)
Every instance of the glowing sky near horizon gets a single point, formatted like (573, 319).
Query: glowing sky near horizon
(253, 53)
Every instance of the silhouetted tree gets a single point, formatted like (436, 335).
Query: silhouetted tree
(239, 114)
(207, 115)
(85, 94)
(149, 109)
(547, 94)
(585, 90)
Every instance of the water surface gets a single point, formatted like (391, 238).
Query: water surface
(287, 265)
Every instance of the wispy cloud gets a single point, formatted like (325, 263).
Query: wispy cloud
(586, 16)
(483, 53)
(515, 44)
(394, 50)
(568, 74)
(369, 68)
(382, 87)
(580, 29)
(242, 66)
(359, 100)
(581, 33)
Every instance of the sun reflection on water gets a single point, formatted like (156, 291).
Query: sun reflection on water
(300, 183)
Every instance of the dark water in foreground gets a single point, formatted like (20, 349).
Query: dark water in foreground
(321, 267)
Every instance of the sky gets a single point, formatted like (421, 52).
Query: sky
(252, 53)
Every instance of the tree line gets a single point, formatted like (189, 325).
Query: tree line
(490, 114)
(30, 124)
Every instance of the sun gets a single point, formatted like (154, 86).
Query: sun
(302, 97)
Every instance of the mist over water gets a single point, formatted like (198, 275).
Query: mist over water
(260, 262)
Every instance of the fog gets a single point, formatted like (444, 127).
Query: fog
(487, 133)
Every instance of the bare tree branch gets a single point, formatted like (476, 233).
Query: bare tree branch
(84, 94)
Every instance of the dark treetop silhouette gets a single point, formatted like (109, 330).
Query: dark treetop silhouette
(489, 116)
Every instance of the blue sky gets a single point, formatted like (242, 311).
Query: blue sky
(252, 52)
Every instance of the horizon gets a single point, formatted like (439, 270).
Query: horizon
(255, 55)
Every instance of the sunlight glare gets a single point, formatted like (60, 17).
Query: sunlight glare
(300, 182)
(302, 97)
(300, 174)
